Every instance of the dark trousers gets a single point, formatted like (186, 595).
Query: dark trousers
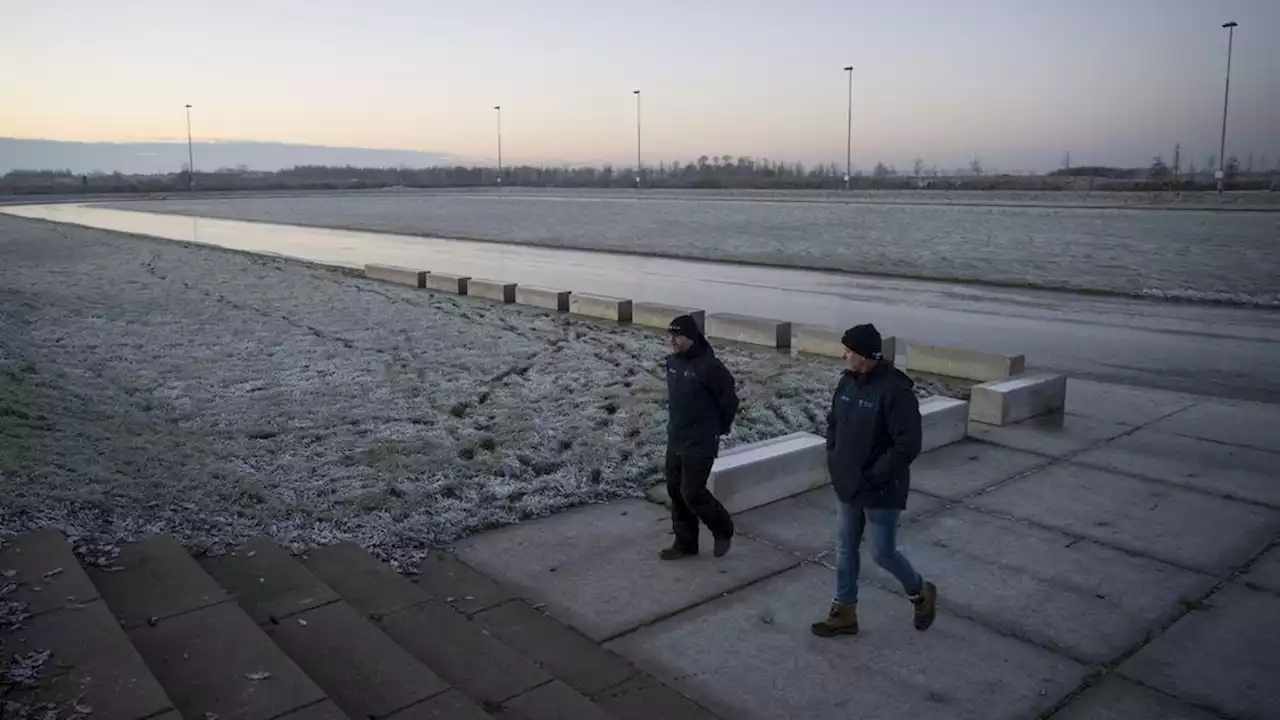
(691, 501)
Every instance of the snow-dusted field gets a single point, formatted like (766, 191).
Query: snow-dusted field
(147, 386)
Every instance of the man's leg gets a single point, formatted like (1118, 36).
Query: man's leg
(884, 538)
(693, 485)
(843, 618)
(683, 520)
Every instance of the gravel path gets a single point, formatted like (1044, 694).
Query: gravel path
(147, 386)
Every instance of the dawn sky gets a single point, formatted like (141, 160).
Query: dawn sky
(1015, 82)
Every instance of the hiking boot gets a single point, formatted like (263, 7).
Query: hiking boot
(926, 606)
(722, 545)
(675, 552)
(842, 620)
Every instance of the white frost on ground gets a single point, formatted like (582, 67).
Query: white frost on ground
(151, 387)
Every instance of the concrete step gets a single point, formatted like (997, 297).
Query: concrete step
(460, 650)
(362, 669)
(209, 655)
(48, 604)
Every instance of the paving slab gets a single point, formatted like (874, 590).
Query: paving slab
(205, 658)
(97, 666)
(365, 672)
(569, 655)
(1123, 403)
(370, 586)
(1266, 571)
(1231, 470)
(267, 581)
(452, 705)
(1223, 657)
(553, 701)
(159, 580)
(645, 698)
(967, 467)
(582, 562)
(1089, 601)
(460, 651)
(1056, 435)
(447, 578)
(1235, 423)
(806, 524)
(751, 655)
(1115, 698)
(1169, 523)
(44, 572)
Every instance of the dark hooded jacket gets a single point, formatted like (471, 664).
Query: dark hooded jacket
(701, 401)
(873, 435)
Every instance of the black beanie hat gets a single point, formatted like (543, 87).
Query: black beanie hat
(686, 326)
(863, 340)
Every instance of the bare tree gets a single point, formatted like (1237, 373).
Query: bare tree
(1066, 160)
(917, 167)
(975, 167)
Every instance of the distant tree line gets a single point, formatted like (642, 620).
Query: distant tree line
(706, 172)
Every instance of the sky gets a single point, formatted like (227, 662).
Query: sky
(1016, 83)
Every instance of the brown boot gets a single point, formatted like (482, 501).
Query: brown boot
(926, 606)
(842, 620)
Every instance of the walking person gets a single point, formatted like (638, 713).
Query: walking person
(701, 405)
(873, 435)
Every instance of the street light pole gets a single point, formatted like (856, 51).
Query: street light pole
(499, 109)
(639, 163)
(1226, 95)
(191, 158)
(848, 137)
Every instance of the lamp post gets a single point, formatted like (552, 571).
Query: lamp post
(1226, 95)
(191, 158)
(848, 137)
(499, 109)
(639, 163)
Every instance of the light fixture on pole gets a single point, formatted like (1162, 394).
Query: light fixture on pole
(1226, 95)
(499, 109)
(848, 138)
(191, 158)
(639, 163)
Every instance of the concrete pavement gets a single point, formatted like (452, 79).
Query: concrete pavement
(1119, 561)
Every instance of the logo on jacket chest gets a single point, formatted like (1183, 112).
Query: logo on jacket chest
(686, 374)
(859, 403)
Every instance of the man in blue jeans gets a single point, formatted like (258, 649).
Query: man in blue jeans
(873, 435)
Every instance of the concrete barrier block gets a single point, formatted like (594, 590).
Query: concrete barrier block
(751, 330)
(455, 284)
(495, 290)
(600, 306)
(964, 364)
(824, 340)
(396, 274)
(657, 315)
(943, 421)
(756, 474)
(1004, 402)
(545, 298)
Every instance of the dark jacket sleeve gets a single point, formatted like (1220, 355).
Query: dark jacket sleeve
(902, 418)
(831, 422)
(721, 384)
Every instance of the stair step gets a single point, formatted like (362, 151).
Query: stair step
(553, 701)
(644, 698)
(370, 586)
(205, 651)
(91, 662)
(362, 669)
(569, 655)
(452, 705)
(444, 576)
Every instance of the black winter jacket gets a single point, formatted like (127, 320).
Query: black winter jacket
(873, 435)
(701, 401)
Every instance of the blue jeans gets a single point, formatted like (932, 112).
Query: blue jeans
(853, 520)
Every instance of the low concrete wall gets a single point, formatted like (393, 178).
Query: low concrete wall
(545, 298)
(760, 473)
(965, 364)
(396, 274)
(943, 421)
(496, 290)
(1016, 399)
(657, 315)
(751, 330)
(824, 340)
(600, 306)
(456, 284)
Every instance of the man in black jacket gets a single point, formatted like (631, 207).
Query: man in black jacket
(701, 405)
(873, 435)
